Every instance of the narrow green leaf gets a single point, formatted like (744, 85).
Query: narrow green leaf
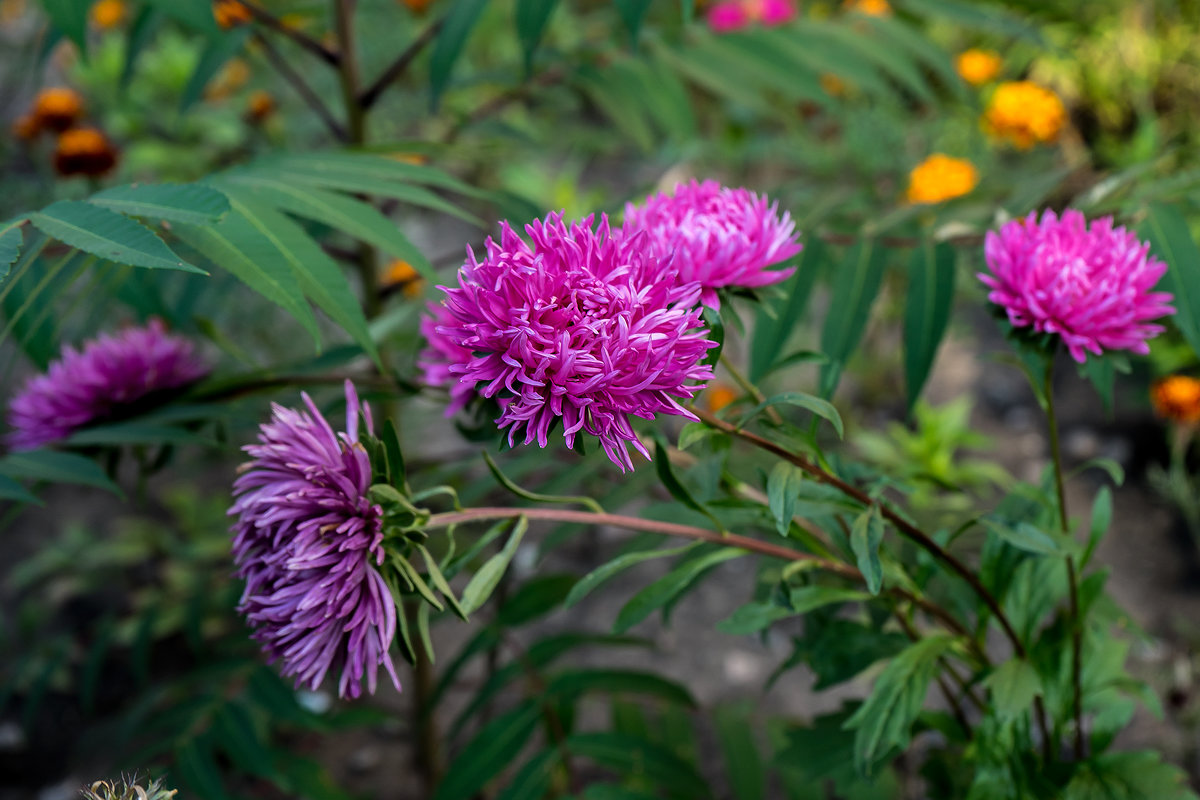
(668, 587)
(136, 432)
(931, 276)
(1171, 240)
(783, 490)
(196, 767)
(1025, 536)
(531, 17)
(1102, 509)
(666, 475)
(460, 19)
(638, 759)
(619, 681)
(56, 467)
(11, 240)
(489, 753)
(189, 203)
(532, 781)
(196, 14)
(70, 17)
(415, 580)
(822, 408)
(865, 538)
(619, 564)
(536, 497)
(632, 12)
(985, 17)
(11, 490)
(397, 473)
(1014, 684)
(743, 760)
(439, 580)
(108, 235)
(327, 169)
(141, 33)
(216, 53)
(484, 582)
(778, 320)
(854, 290)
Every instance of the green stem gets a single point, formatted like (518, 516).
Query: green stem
(428, 744)
(746, 386)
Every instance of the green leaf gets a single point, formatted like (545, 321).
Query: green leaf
(240, 740)
(536, 497)
(609, 90)
(189, 203)
(618, 681)
(11, 240)
(1170, 239)
(822, 408)
(216, 53)
(930, 296)
(984, 17)
(885, 719)
(890, 60)
(1014, 684)
(196, 767)
(135, 432)
(743, 761)
(1025, 536)
(11, 490)
(531, 17)
(535, 598)
(484, 582)
(777, 321)
(1138, 775)
(460, 19)
(196, 14)
(243, 250)
(357, 172)
(637, 759)
(619, 564)
(632, 13)
(141, 33)
(666, 588)
(783, 490)
(492, 750)
(533, 780)
(666, 475)
(865, 538)
(107, 234)
(55, 467)
(1102, 509)
(854, 290)
(70, 17)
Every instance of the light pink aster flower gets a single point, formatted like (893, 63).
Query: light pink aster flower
(718, 236)
(733, 15)
(583, 327)
(1091, 285)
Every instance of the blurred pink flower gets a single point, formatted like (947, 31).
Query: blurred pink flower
(732, 15)
(1090, 285)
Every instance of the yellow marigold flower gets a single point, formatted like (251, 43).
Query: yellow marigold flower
(1177, 399)
(941, 177)
(417, 6)
(259, 106)
(57, 108)
(401, 275)
(84, 151)
(977, 67)
(872, 8)
(1025, 114)
(717, 396)
(108, 14)
(231, 13)
(832, 84)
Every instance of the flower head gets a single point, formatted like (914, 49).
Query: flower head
(941, 177)
(977, 67)
(112, 376)
(1177, 398)
(872, 8)
(402, 276)
(307, 542)
(84, 151)
(259, 106)
(1024, 114)
(716, 236)
(231, 13)
(732, 15)
(417, 6)
(718, 396)
(1089, 284)
(108, 14)
(57, 108)
(582, 326)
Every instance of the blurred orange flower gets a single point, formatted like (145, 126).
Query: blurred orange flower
(108, 14)
(832, 84)
(401, 275)
(717, 396)
(1177, 398)
(1024, 114)
(231, 13)
(872, 8)
(233, 76)
(57, 108)
(84, 151)
(941, 177)
(259, 106)
(977, 67)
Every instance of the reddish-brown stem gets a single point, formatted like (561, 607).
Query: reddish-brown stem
(301, 87)
(269, 20)
(370, 96)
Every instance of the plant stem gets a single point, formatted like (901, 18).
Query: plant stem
(297, 82)
(428, 743)
(269, 20)
(1072, 576)
(746, 386)
(371, 95)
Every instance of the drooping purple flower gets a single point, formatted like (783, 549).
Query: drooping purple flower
(112, 376)
(718, 236)
(1091, 285)
(584, 326)
(307, 542)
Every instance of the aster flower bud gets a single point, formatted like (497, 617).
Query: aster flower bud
(1089, 284)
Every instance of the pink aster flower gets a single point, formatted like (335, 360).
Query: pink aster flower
(583, 327)
(1090, 285)
(442, 353)
(717, 236)
(733, 15)
(113, 376)
(307, 542)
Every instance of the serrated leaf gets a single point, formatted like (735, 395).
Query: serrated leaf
(55, 467)
(822, 408)
(490, 752)
(1171, 240)
(865, 538)
(668, 587)
(931, 275)
(484, 582)
(108, 235)
(855, 287)
(1014, 684)
(619, 564)
(638, 759)
(188, 203)
(460, 19)
(530, 18)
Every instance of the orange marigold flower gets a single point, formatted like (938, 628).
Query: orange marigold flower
(57, 108)
(417, 6)
(977, 67)
(872, 8)
(231, 13)
(108, 14)
(717, 396)
(1177, 399)
(941, 177)
(1024, 114)
(401, 275)
(259, 106)
(84, 151)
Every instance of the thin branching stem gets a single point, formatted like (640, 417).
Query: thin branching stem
(269, 20)
(301, 87)
(370, 96)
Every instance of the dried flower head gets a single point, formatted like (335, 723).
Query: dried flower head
(127, 789)
(307, 542)
(872, 8)
(941, 177)
(732, 15)
(1089, 284)
(115, 375)
(402, 276)
(108, 14)
(1177, 398)
(977, 67)
(582, 326)
(1025, 114)
(231, 13)
(717, 236)
(57, 108)
(84, 151)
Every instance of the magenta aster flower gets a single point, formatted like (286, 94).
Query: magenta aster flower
(442, 353)
(113, 376)
(583, 326)
(1090, 285)
(307, 542)
(717, 236)
(732, 15)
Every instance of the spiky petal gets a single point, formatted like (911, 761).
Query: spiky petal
(584, 327)
(717, 236)
(307, 542)
(1089, 284)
